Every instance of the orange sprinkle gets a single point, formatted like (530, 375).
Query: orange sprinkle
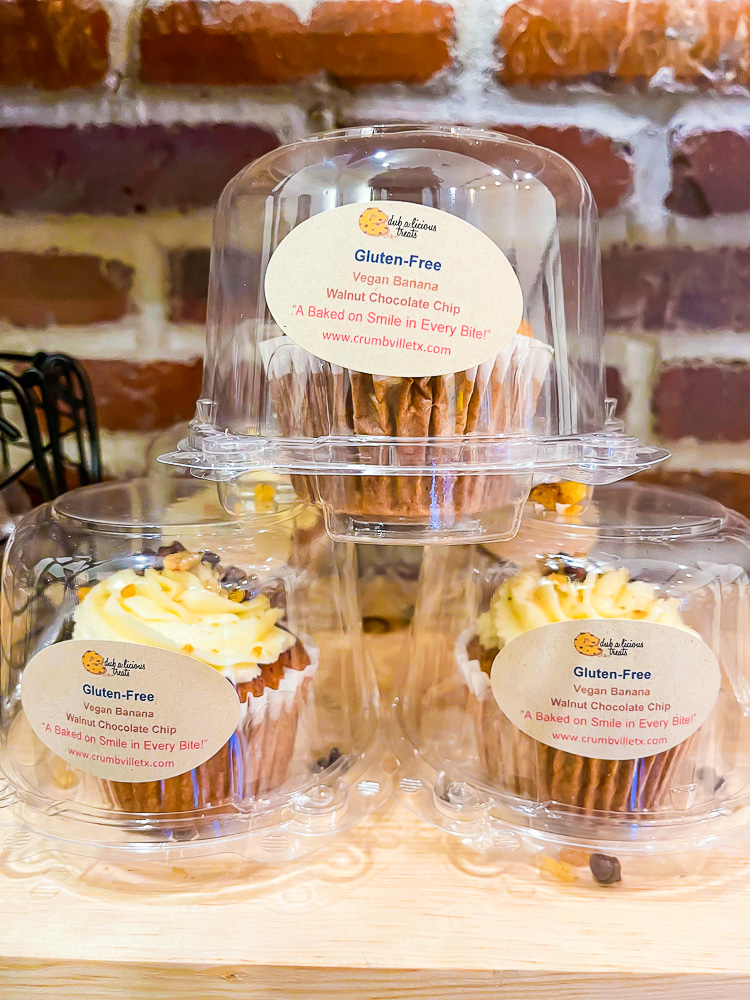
(129, 591)
(524, 330)
(187, 648)
(83, 592)
(264, 497)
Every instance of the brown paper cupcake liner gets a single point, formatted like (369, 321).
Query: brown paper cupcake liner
(312, 399)
(254, 762)
(522, 766)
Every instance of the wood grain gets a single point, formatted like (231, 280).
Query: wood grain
(393, 910)
(102, 982)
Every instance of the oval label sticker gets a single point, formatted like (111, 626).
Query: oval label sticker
(613, 689)
(127, 712)
(393, 288)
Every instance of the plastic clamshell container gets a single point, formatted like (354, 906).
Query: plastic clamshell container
(407, 320)
(177, 683)
(577, 701)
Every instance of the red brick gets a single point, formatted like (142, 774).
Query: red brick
(629, 40)
(355, 41)
(604, 163)
(730, 488)
(714, 49)
(710, 172)
(144, 395)
(188, 285)
(118, 170)
(676, 288)
(707, 402)
(53, 44)
(544, 40)
(42, 289)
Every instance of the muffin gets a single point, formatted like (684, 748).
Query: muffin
(523, 766)
(315, 399)
(188, 603)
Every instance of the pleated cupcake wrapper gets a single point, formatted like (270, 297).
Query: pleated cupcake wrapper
(522, 766)
(313, 399)
(254, 762)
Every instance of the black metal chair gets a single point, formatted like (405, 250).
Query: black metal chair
(50, 397)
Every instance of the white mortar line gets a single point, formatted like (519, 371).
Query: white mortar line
(713, 345)
(121, 341)
(708, 456)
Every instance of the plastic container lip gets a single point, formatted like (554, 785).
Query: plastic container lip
(148, 506)
(629, 510)
(207, 449)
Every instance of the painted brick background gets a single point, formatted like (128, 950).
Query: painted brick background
(123, 119)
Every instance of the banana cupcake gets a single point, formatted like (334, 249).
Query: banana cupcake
(315, 399)
(561, 591)
(188, 603)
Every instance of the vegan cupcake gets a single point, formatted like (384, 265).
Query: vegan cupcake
(562, 591)
(188, 603)
(316, 399)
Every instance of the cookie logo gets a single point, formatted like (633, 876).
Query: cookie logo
(93, 662)
(587, 644)
(374, 222)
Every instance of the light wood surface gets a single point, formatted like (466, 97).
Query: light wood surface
(393, 910)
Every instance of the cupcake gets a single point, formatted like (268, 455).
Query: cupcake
(315, 399)
(190, 604)
(522, 766)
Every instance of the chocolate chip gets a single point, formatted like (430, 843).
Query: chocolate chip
(707, 776)
(605, 868)
(168, 550)
(328, 759)
(577, 573)
(275, 593)
(148, 552)
(562, 564)
(233, 575)
(210, 558)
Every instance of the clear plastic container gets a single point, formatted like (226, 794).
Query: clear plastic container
(577, 699)
(177, 683)
(407, 319)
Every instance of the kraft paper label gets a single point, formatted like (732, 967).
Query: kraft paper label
(392, 288)
(127, 712)
(612, 689)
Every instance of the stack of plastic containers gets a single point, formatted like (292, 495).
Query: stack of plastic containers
(404, 346)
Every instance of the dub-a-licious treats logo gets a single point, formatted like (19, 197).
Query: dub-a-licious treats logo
(102, 666)
(93, 662)
(375, 222)
(587, 644)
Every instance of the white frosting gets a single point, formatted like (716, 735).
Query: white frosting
(184, 610)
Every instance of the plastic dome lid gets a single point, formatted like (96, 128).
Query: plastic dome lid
(391, 300)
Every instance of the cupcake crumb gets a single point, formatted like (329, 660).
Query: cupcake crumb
(327, 760)
(574, 856)
(560, 870)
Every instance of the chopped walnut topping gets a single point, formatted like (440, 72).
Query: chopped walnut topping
(181, 562)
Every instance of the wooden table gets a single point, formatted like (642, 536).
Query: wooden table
(393, 910)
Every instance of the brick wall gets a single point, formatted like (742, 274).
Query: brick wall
(123, 119)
